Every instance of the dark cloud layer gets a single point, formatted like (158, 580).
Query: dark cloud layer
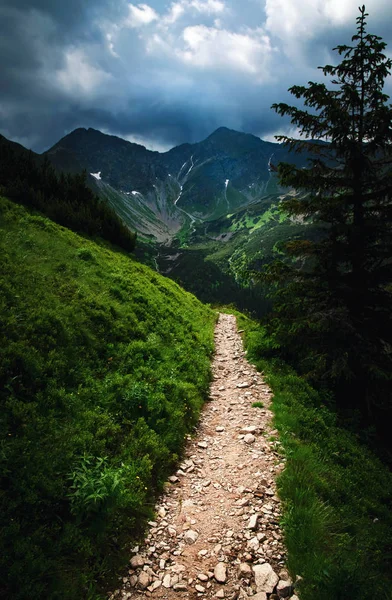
(163, 72)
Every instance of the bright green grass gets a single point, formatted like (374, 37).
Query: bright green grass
(250, 223)
(258, 405)
(336, 494)
(104, 367)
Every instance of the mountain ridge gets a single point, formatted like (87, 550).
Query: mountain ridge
(161, 193)
(206, 214)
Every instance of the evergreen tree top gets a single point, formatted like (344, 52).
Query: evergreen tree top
(355, 111)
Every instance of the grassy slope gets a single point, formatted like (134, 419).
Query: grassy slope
(104, 366)
(217, 261)
(336, 494)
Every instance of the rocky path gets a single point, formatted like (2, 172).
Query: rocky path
(216, 533)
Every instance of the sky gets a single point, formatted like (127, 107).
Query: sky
(162, 73)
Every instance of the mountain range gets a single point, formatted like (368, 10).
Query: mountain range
(207, 214)
(160, 194)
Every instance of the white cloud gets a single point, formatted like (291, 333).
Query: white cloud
(168, 70)
(294, 24)
(211, 7)
(341, 13)
(184, 7)
(201, 46)
(78, 76)
(209, 47)
(304, 19)
(177, 9)
(112, 51)
(140, 15)
(289, 130)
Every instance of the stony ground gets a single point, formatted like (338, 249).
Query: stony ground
(216, 533)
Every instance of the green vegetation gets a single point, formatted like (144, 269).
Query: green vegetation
(64, 198)
(104, 366)
(332, 302)
(221, 258)
(193, 270)
(247, 222)
(336, 494)
(258, 405)
(143, 188)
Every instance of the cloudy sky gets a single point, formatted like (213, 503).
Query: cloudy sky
(164, 72)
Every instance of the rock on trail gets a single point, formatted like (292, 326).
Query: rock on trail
(216, 532)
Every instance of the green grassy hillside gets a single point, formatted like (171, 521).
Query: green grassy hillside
(104, 366)
(218, 261)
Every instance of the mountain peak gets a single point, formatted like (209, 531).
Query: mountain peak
(232, 142)
(224, 132)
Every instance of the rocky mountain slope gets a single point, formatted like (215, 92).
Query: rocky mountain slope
(160, 194)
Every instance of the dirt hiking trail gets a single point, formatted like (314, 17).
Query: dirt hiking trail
(216, 533)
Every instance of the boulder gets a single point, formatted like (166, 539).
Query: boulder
(143, 580)
(260, 596)
(166, 581)
(253, 522)
(250, 429)
(245, 570)
(253, 544)
(137, 561)
(220, 573)
(190, 536)
(284, 588)
(157, 584)
(265, 578)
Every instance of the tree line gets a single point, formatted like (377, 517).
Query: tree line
(64, 198)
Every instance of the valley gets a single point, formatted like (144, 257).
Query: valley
(106, 366)
(195, 342)
(206, 214)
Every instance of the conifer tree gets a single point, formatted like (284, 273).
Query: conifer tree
(333, 298)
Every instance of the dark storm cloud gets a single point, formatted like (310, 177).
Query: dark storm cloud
(163, 72)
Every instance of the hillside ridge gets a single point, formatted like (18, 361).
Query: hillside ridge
(105, 365)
